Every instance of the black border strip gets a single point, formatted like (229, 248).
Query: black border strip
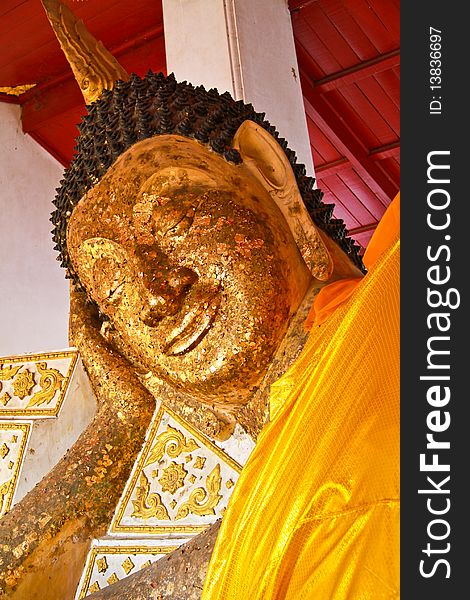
(441, 129)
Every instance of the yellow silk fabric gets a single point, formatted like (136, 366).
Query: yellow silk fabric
(315, 513)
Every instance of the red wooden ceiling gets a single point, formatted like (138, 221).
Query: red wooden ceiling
(348, 54)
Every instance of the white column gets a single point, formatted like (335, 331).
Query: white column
(245, 47)
(34, 298)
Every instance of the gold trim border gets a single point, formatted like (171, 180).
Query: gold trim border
(116, 527)
(95, 550)
(42, 412)
(26, 428)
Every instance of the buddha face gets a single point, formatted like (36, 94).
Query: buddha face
(193, 264)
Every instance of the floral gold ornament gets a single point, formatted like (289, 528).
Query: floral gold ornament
(173, 477)
(24, 384)
(94, 588)
(112, 579)
(8, 372)
(5, 398)
(199, 462)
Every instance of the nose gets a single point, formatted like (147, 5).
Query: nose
(166, 285)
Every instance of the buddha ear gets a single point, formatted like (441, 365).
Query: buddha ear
(267, 161)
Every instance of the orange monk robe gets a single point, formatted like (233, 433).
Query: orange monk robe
(315, 513)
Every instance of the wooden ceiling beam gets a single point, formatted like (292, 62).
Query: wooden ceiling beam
(296, 5)
(346, 141)
(331, 168)
(363, 228)
(386, 151)
(353, 74)
(379, 153)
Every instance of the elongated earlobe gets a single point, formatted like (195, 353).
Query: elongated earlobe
(267, 161)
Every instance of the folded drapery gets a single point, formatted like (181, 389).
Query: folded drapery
(315, 513)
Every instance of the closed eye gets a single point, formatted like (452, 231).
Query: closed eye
(175, 218)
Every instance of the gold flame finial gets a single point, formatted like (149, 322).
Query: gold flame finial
(95, 68)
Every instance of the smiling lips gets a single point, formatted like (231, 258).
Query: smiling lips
(194, 323)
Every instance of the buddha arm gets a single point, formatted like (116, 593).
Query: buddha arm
(46, 536)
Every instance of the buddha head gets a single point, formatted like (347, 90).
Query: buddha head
(182, 220)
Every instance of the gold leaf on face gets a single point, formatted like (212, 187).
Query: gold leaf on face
(192, 264)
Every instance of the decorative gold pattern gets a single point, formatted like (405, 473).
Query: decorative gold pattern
(4, 492)
(200, 462)
(177, 444)
(17, 90)
(173, 477)
(53, 370)
(95, 587)
(102, 564)
(187, 495)
(112, 579)
(8, 372)
(108, 555)
(13, 440)
(95, 69)
(127, 565)
(24, 384)
(5, 399)
(202, 502)
(148, 505)
(50, 382)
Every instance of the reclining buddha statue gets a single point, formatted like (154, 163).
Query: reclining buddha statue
(195, 244)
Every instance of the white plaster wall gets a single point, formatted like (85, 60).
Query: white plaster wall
(245, 47)
(34, 295)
